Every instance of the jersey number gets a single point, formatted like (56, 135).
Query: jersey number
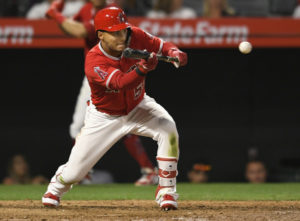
(138, 90)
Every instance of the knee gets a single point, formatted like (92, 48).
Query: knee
(168, 140)
(167, 126)
(67, 178)
(168, 131)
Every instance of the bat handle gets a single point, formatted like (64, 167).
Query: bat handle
(167, 58)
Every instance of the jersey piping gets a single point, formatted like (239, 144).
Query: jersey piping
(106, 54)
(160, 46)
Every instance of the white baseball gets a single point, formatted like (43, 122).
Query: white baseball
(245, 47)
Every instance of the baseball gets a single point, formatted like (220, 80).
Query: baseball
(245, 47)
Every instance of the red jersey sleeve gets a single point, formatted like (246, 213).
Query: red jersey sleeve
(82, 16)
(110, 77)
(151, 43)
(119, 80)
(143, 40)
(77, 17)
(89, 26)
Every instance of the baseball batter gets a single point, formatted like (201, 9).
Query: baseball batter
(119, 106)
(82, 25)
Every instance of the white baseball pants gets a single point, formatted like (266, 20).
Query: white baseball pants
(101, 131)
(79, 112)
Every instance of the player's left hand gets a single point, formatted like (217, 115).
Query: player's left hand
(182, 57)
(148, 65)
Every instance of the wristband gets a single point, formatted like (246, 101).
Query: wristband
(139, 72)
(59, 18)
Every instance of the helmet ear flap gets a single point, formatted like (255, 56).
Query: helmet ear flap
(128, 35)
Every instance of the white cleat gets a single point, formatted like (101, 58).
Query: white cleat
(50, 200)
(168, 202)
(166, 198)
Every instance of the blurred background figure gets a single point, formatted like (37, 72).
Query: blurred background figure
(256, 172)
(19, 172)
(253, 153)
(217, 9)
(133, 7)
(15, 8)
(296, 13)
(96, 176)
(170, 9)
(199, 172)
(38, 10)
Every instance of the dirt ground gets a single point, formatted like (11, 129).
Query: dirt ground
(148, 210)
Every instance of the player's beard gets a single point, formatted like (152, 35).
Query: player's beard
(120, 47)
(113, 46)
(115, 50)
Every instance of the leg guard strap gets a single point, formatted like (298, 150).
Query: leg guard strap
(167, 171)
(164, 182)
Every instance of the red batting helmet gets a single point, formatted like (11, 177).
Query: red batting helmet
(110, 19)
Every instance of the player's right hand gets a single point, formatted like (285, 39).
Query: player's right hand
(50, 13)
(148, 65)
(182, 57)
(54, 11)
(58, 5)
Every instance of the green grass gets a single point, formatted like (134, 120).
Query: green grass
(213, 191)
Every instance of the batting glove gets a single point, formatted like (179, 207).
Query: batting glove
(182, 57)
(54, 11)
(148, 65)
(58, 5)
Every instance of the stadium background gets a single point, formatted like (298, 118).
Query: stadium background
(223, 103)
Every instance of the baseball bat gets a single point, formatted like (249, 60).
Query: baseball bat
(139, 54)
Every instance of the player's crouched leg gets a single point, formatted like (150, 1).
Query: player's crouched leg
(56, 189)
(167, 138)
(167, 157)
(166, 195)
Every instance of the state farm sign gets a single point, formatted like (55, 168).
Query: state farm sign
(23, 33)
(186, 33)
(16, 34)
(201, 32)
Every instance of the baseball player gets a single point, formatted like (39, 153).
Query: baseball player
(82, 25)
(119, 106)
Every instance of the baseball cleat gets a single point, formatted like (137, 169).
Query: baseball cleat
(50, 200)
(149, 177)
(168, 203)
